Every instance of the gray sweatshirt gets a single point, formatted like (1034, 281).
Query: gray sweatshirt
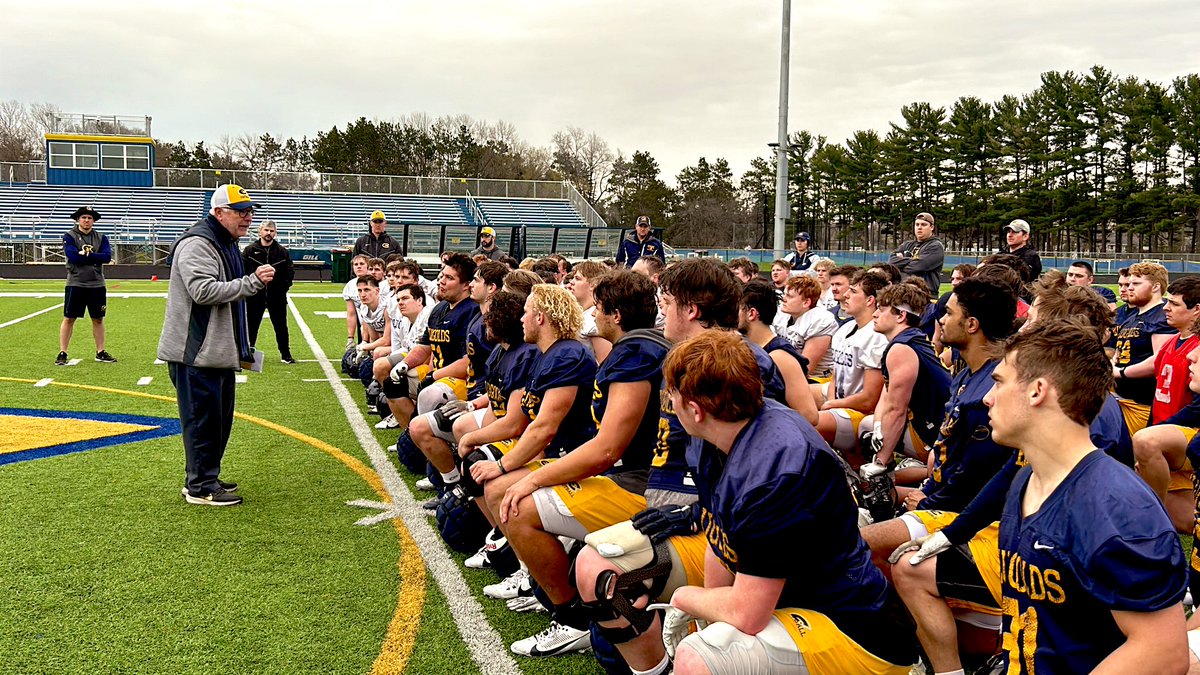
(198, 327)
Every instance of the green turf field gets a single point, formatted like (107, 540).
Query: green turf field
(106, 569)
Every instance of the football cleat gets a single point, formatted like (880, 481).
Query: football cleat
(508, 588)
(555, 640)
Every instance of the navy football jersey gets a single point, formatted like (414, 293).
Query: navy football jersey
(930, 392)
(1106, 293)
(1134, 346)
(964, 455)
(1110, 433)
(781, 484)
(567, 363)
(479, 348)
(508, 370)
(446, 335)
(671, 468)
(1100, 542)
(633, 359)
(780, 343)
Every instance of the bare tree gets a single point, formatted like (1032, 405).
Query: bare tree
(586, 160)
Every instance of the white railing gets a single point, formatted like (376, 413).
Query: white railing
(313, 181)
(100, 125)
(476, 213)
(23, 172)
(581, 204)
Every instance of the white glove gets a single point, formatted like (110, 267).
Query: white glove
(675, 624)
(455, 409)
(871, 470)
(926, 547)
(349, 342)
(398, 372)
(363, 347)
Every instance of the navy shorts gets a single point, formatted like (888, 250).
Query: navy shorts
(94, 300)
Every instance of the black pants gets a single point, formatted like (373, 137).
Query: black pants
(205, 397)
(276, 303)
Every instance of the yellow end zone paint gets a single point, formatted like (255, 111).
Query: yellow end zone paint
(19, 432)
(402, 629)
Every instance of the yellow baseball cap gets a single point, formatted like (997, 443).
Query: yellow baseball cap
(378, 215)
(230, 196)
(488, 231)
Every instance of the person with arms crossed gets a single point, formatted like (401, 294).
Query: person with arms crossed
(641, 243)
(268, 251)
(205, 338)
(923, 255)
(86, 251)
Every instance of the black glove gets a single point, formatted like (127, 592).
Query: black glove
(665, 522)
(425, 382)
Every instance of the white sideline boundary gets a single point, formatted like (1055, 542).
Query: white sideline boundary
(6, 324)
(487, 649)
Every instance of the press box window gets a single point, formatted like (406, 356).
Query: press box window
(125, 157)
(74, 155)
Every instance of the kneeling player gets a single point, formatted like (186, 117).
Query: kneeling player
(766, 481)
(1090, 568)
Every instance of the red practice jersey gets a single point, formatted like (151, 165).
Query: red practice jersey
(1171, 392)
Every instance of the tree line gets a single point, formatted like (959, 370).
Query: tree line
(1093, 161)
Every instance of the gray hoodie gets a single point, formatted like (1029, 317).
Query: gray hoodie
(198, 329)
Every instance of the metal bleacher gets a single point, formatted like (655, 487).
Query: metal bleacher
(35, 215)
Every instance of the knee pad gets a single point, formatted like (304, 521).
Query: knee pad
(606, 652)
(395, 390)
(461, 523)
(410, 455)
(486, 453)
(434, 397)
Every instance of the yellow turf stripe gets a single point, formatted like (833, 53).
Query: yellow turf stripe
(402, 630)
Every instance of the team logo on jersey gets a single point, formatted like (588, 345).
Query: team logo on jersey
(36, 434)
(385, 245)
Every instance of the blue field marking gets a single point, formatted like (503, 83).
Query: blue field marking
(163, 427)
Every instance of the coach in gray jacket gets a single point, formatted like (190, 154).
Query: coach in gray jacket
(204, 337)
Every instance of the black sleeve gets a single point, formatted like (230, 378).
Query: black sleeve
(284, 271)
(986, 508)
(359, 249)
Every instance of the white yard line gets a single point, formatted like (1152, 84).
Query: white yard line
(43, 311)
(43, 382)
(487, 649)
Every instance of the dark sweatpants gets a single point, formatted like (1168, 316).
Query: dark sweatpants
(276, 302)
(205, 397)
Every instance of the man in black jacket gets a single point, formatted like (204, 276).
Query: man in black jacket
(1016, 235)
(273, 298)
(923, 256)
(377, 243)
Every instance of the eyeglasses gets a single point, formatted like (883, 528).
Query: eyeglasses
(378, 220)
(243, 213)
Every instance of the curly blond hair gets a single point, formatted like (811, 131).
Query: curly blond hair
(560, 308)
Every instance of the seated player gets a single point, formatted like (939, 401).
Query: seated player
(826, 302)
(697, 296)
(916, 385)
(582, 280)
(408, 318)
(857, 380)
(756, 311)
(439, 359)
(809, 330)
(432, 434)
(781, 271)
(957, 275)
(1143, 332)
(1080, 274)
(1094, 575)
(358, 268)
(411, 273)
(602, 481)
(1160, 449)
(373, 321)
(767, 481)
(377, 268)
(969, 577)
(744, 269)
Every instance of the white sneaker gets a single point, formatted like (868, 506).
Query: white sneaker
(508, 588)
(388, 422)
(491, 542)
(555, 640)
(526, 603)
(425, 484)
(392, 448)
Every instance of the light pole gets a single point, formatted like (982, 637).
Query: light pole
(781, 163)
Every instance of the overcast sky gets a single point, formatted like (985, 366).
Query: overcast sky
(679, 79)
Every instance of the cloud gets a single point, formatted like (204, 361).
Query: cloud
(681, 80)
